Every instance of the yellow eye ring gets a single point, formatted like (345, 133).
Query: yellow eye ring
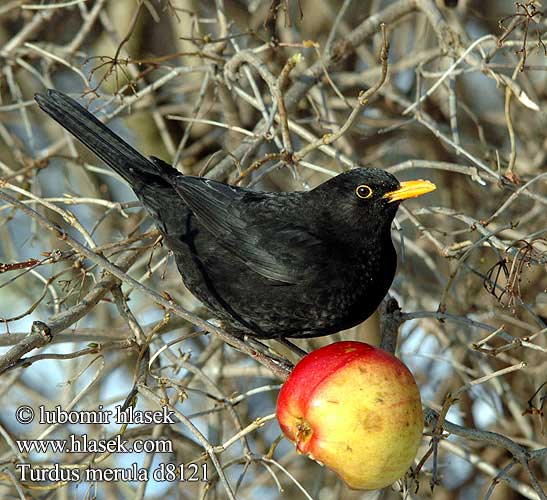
(363, 191)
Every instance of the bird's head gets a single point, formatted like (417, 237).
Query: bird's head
(370, 194)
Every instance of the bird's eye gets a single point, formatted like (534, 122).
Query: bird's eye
(363, 191)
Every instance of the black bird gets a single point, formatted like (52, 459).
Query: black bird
(269, 265)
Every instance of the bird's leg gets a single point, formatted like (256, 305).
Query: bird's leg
(256, 344)
(263, 348)
(267, 351)
(293, 347)
(281, 366)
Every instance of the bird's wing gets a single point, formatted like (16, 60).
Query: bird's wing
(270, 245)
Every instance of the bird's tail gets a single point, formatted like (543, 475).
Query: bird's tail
(150, 179)
(107, 145)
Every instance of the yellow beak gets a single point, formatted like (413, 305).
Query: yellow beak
(410, 189)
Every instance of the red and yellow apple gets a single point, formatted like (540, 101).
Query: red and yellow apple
(355, 409)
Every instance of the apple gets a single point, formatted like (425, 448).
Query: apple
(356, 409)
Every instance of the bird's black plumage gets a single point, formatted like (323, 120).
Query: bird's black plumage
(298, 264)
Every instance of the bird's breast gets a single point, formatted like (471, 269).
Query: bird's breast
(362, 283)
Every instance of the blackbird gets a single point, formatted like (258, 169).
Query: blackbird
(269, 265)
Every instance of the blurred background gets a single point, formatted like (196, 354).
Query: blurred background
(253, 92)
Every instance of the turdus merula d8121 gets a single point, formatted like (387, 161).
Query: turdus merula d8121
(269, 265)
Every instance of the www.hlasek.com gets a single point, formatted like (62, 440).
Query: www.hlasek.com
(83, 444)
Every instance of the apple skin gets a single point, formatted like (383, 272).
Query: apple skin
(356, 409)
